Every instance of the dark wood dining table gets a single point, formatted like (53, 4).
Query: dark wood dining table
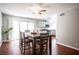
(37, 36)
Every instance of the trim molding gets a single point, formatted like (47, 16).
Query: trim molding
(67, 46)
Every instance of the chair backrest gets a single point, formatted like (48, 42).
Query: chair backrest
(21, 37)
(43, 43)
(43, 37)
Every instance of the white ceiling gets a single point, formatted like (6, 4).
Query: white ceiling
(24, 9)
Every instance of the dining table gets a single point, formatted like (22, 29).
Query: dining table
(38, 36)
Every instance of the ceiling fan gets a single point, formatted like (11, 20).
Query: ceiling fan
(39, 9)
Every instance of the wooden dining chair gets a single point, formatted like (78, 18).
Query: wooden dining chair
(25, 44)
(42, 45)
(21, 42)
(28, 42)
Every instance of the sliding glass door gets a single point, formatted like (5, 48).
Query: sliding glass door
(15, 30)
(20, 26)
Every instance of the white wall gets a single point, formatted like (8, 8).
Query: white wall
(0, 27)
(68, 28)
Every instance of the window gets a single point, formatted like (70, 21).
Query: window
(31, 26)
(23, 26)
(26, 26)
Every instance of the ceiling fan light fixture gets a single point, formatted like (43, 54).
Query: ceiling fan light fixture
(38, 9)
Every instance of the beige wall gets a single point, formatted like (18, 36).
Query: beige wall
(68, 28)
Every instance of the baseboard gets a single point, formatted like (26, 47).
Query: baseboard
(68, 46)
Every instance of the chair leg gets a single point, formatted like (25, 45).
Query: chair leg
(46, 48)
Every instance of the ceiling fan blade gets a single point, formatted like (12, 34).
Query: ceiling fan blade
(42, 10)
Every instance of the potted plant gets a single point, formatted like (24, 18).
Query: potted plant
(5, 32)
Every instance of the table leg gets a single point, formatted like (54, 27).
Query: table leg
(34, 47)
(50, 45)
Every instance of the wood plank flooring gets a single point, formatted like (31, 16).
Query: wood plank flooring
(12, 48)
(62, 50)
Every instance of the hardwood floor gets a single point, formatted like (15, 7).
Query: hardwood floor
(12, 48)
(62, 50)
